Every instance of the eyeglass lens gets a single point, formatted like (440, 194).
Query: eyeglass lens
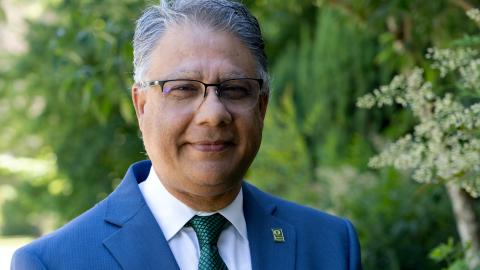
(236, 94)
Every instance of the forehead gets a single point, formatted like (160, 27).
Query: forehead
(200, 52)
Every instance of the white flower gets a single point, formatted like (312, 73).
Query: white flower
(474, 14)
(445, 144)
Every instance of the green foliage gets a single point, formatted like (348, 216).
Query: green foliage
(445, 145)
(280, 22)
(405, 28)
(283, 159)
(398, 222)
(316, 144)
(75, 98)
(322, 76)
(311, 126)
(450, 253)
(314, 87)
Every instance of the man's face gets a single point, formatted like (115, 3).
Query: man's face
(206, 150)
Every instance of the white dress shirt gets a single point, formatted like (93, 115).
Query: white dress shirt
(172, 214)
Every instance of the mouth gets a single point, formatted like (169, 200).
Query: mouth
(212, 146)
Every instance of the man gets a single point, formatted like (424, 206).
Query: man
(200, 95)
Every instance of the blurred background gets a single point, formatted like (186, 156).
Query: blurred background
(68, 130)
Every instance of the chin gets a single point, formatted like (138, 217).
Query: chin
(215, 179)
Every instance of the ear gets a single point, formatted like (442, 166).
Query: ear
(139, 100)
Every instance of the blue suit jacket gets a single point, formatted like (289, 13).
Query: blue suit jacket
(120, 232)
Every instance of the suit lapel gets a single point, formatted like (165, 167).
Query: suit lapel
(139, 242)
(266, 253)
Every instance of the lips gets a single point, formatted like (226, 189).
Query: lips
(212, 146)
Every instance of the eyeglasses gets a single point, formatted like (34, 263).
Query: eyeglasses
(235, 94)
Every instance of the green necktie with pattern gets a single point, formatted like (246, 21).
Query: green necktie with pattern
(208, 229)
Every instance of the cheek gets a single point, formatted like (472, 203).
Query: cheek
(153, 129)
(252, 132)
(162, 128)
(149, 121)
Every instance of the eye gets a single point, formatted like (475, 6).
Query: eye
(235, 90)
(181, 89)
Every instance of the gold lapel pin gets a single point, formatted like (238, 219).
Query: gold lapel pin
(278, 235)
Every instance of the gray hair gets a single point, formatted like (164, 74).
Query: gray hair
(226, 15)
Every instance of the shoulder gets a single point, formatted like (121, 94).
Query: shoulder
(25, 258)
(79, 243)
(82, 236)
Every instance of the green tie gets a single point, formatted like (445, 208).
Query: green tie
(208, 229)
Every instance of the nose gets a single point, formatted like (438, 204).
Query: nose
(212, 111)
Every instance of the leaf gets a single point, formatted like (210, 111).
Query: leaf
(444, 251)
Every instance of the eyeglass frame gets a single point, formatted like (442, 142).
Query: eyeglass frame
(161, 83)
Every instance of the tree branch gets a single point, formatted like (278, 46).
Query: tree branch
(464, 4)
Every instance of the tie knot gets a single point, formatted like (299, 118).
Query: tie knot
(207, 228)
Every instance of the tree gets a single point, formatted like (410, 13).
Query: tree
(445, 145)
(312, 128)
(71, 97)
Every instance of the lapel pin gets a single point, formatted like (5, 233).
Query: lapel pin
(278, 235)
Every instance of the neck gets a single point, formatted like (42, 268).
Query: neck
(205, 201)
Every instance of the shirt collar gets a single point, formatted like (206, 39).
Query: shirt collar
(171, 214)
